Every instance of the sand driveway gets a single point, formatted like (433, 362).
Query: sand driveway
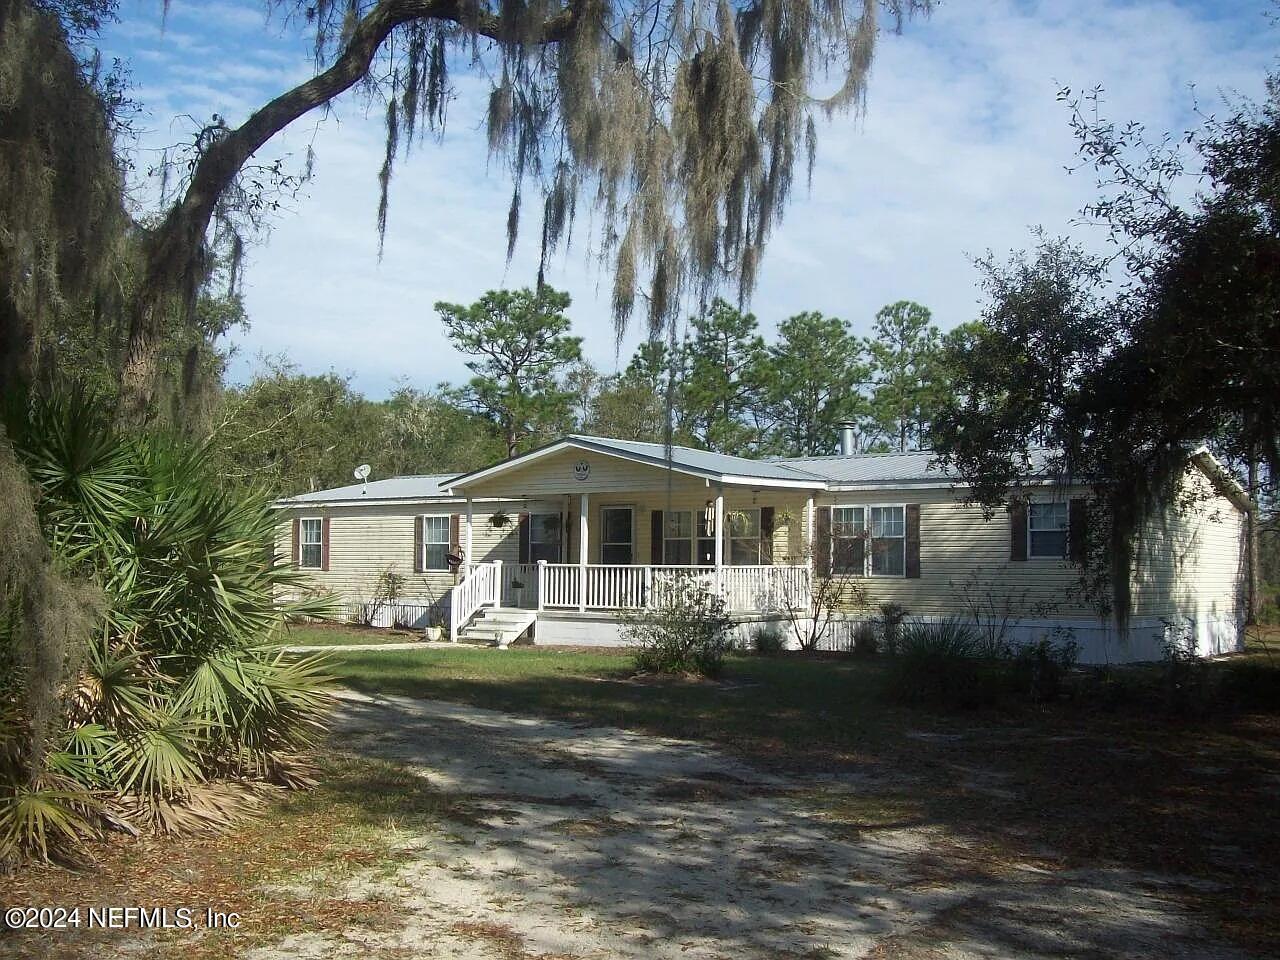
(596, 842)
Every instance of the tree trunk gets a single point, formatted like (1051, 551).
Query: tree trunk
(176, 261)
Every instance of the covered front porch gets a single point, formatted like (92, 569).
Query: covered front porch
(617, 530)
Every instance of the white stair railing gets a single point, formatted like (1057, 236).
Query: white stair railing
(482, 586)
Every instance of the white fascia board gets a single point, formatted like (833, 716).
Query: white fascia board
(773, 482)
(388, 501)
(1221, 478)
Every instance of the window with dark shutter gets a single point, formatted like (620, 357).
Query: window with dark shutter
(913, 540)
(821, 546)
(1018, 530)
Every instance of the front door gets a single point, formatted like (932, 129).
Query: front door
(617, 538)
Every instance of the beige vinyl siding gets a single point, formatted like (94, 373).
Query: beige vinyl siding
(366, 541)
(553, 474)
(1189, 560)
(965, 553)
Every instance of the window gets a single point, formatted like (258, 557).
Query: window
(888, 530)
(311, 544)
(848, 540)
(615, 543)
(743, 529)
(681, 546)
(884, 528)
(544, 537)
(677, 537)
(706, 552)
(1047, 525)
(435, 543)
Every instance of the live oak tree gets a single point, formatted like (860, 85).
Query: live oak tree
(1122, 364)
(522, 349)
(679, 123)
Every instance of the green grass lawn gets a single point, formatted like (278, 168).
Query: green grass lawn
(788, 707)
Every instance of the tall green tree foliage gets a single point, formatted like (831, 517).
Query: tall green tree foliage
(522, 349)
(723, 378)
(286, 432)
(1132, 361)
(632, 405)
(815, 382)
(906, 378)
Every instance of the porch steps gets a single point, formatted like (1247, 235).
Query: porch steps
(499, 627)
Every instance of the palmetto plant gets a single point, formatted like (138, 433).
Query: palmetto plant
(183, 704)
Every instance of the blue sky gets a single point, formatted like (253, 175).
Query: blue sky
(962, 149)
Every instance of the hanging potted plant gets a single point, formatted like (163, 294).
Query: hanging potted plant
(499, 520)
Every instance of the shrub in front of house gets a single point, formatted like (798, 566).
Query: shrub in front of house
(767, 641)
(935, 665)
(687, 631)
(866, 638)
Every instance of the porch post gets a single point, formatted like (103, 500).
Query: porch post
(720, 539)
(808, 536)
(582, 551)
(468, 559)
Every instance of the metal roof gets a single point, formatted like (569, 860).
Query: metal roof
(870, 469)
(916, 466)
(432, 486)
(700, 461)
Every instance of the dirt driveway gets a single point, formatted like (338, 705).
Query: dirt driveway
(591, 843)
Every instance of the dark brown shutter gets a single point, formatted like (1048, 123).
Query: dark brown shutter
(567, 549)
(913, 540)
(1078, 530)
(655, 538)
(1018, 530)
(297, 540)
(324, 544)
(524, 525)
(766, 535)
(822, 542)
(455, 535)
(418, 523)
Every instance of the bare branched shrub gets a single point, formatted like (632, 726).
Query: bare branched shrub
(813, 619)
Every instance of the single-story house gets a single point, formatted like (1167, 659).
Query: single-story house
(561, 541)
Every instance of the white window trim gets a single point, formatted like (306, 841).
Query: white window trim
(866, 553)
(559, 525)
(630, 508)
(302, 543)
(691, 539)
(1066, 549)
(448, 547)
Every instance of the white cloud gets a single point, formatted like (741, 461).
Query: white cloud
(962, 149)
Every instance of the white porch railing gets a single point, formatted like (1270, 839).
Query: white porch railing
(746, 589)
(481, 586)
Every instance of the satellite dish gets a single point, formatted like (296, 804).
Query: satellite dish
(362, 472)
